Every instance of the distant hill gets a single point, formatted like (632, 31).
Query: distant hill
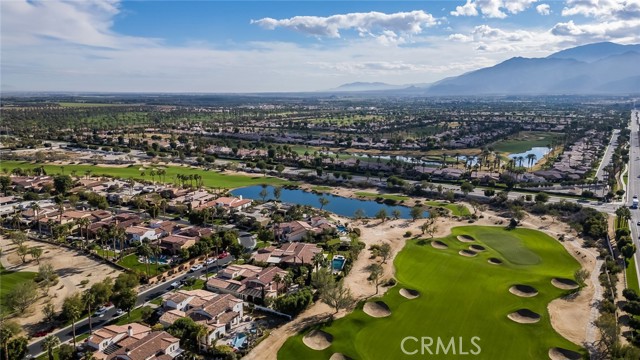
(594, 52)
(603, 68)
(367, 86)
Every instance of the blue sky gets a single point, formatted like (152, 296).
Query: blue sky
(264, 46)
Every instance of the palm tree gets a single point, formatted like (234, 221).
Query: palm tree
(318, 259)
(84, 223)
(276, 279)
(323, 201)
(145, 251)
(49, 343)
(7, 331)
(88, 297)
(531, 158)
(36, 210)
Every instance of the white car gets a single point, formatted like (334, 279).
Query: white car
(195, 268)
(119, 312)
(100, 312)
(210, 261)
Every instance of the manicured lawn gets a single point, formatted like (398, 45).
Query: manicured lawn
(632, 276)
(136, 316)
(523, 142)
(384, 196)
(8, 280)
(459, 297)
(209, 178)
(199, 284)
(131, 262)
(456, 209)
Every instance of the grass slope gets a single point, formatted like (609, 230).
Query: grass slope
(460, 297)
(8, 280)
(523, 142)
(456, 209)
(209, 178)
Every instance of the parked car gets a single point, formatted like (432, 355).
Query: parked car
(119, 312)
(175, 285)
(100, 312)
(223, 255)
(195, 267)
(210, 261)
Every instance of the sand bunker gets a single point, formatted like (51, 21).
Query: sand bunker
(409, 293)
(466, 238)
(317, 340)
(468, 253)
(477, 248)
(524, 316)
(376, 309)
(439, 244)
(523, 290)
(494, 261)
(564, 284)
(339, 356)
(563, 354)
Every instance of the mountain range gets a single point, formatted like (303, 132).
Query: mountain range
(594, 69)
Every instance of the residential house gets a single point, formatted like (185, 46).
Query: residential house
(290, 254)
(247, 282)
(104, 337)
(157, 345)
(219, 313)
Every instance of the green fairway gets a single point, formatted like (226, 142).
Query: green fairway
(383, 196)
(209, 178)
(460, 297)
(456, 209)
(8, 280)
(523, 142)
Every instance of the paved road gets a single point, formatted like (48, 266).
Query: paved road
(606, 158)
(66, 334)
(634, 180)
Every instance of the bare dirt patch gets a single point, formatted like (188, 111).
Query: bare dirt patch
(317, 339)
(72, 267)
(376, 309)
(523, 290)
(524, 316)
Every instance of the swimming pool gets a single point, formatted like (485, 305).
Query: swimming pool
(337, 263)
(239, 340)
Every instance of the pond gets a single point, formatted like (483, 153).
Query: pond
(538, 151)
(337, 204)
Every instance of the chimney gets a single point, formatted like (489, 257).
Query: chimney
(130, 330)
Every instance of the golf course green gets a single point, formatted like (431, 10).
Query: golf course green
(213, 179)
(459, 297)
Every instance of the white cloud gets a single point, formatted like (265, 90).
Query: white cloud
(365, 23)
(492, 8)
(543, 9)
(468, 9)
(608, 9)
(623, 31)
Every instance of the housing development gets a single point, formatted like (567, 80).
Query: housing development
(488, 215)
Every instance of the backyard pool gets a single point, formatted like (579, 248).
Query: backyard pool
(338, 262)
(239, 341)
(162, 260)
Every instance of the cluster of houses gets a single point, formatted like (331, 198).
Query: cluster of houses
(133, 342)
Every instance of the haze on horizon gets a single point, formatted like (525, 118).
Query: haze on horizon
(277, 46)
